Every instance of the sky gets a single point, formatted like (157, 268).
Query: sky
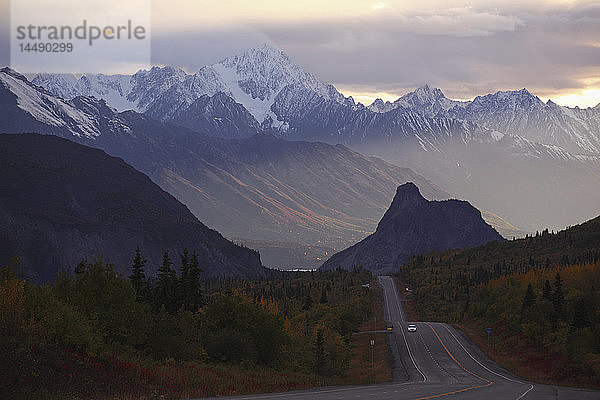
(380, 48)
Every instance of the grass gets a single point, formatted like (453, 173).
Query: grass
(523, 357)
(66, 374)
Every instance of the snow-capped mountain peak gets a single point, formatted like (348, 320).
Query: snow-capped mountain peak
(422, 95)
(519, 112)
(36, 104)
(510, 98)
(427, 101)
(426, 92)
(255, 78)
(379, 106)
(279, 94)
(114, 89)
(378, 103)
(263, 70)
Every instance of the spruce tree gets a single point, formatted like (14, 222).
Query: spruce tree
(166, 287)
(185, 264)
(529, 299)
(558, 298)
(182, 287)
(81, 267)
(319, 352)
(190, 291)
(323, 296)
(547, 293)
(308, 302)
(137, 277)
(557, 302)
(580, 315)
(195, 286)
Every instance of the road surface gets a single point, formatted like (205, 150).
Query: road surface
(437, 361)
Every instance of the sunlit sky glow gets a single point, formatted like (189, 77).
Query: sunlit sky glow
(583, 99)
(371, 49)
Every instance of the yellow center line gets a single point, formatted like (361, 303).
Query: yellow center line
(489, 383)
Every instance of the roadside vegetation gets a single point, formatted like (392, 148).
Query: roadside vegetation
(362, 370)
(539, 295)
(95, 334)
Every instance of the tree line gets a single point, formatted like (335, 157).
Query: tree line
(169, 290)
(296, 322)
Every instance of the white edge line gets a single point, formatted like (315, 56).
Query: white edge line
(315, 391)
(493, 372)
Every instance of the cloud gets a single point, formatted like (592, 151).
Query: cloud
(194, 49)
(465, 51)
(465, 47)
(551, 48)
(458, 21)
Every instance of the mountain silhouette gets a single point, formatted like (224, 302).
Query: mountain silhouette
(414, 225)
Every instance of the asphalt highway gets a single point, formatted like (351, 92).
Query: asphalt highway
(436, 361)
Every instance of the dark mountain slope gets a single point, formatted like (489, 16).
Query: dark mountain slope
(60, 202)
(413, 225)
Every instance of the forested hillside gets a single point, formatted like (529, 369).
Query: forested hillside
(98, 334)
(543, 290)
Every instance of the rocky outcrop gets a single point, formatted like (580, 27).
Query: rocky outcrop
(414, 225)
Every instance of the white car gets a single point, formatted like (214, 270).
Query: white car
(412, 328)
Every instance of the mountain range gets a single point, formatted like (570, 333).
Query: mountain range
(413, 225)
(506, 152)
(277, 93)
(255, 79)
(261, 187)
(515, 112)
(61, 202)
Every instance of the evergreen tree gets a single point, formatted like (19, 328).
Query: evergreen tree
(308, 302)
(547, 293)
(319, 352)
(557, 302)
(196, 288)
(558, 298)
(166, 287)
(323, 296)
(185, 264)
(183, 278)
(529, 299)
(137, 277)
(190, 292)
(81, 267)
(580, 316)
